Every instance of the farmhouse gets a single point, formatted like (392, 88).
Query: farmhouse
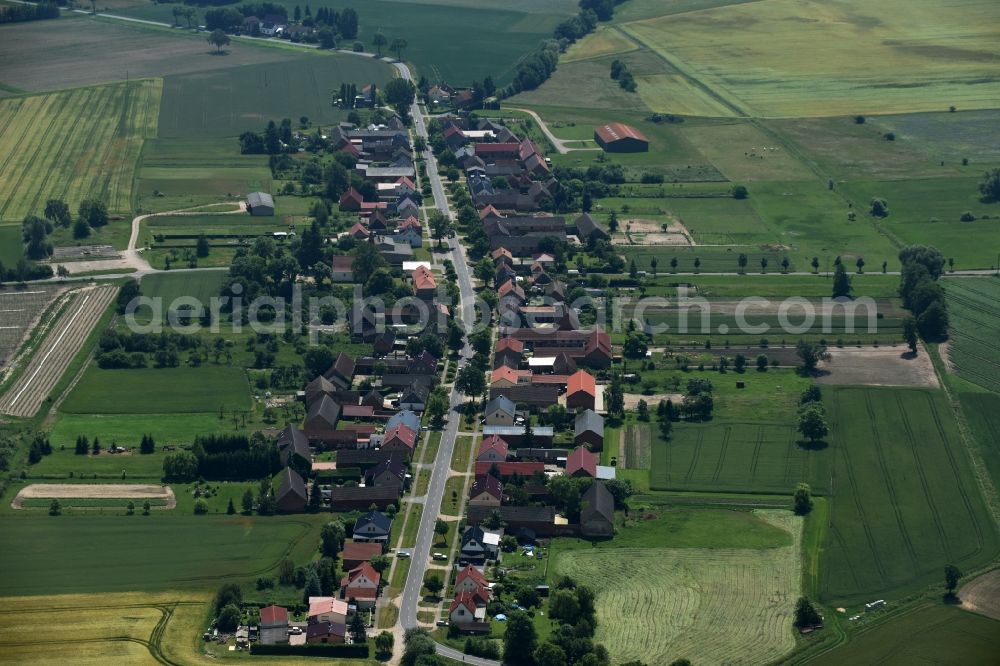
(589, 429)
(597, 512)
(293, 448)
(619, 138)
(273, 625)
(581, 463)
(260, 203)
(581, 391)
(291, 496)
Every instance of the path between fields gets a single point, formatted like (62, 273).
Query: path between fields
(95, 491)
(557, 143)
(132, 257)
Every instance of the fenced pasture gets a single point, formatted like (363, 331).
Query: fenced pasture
(929, 634)
(74, 145)
(904, 499)
(181, 390)
(974, 315)
(721, 606)
(228, 101)
(903, 56)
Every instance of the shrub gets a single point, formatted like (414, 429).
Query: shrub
(967, 216)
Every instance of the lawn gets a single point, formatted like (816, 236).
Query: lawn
(974, 315)
(904, 501)
(158, 552)
(229, 101)
(171, 286)
(933, 634)
(207, 389)
(716, 605)
(74, 145)
(852, 57)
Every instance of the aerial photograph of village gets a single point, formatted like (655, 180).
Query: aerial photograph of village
(500, 332)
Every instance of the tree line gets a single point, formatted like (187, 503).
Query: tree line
(224, 457)
(20, 13)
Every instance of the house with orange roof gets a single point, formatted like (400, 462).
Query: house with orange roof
(424, 284)
(505, 377)
(581, 391)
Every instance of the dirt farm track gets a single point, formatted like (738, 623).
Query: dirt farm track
(95, 491)
(56, 351)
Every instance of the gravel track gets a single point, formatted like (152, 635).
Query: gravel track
(54, 354)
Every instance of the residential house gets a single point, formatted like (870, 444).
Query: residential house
(597, 511)
(467, 613)
(399, 438)
(424, 284)
(361, 585)
(355, 553)
(500, 411)
(581, 463)
(326, 633)
(407, 418)
(374, 526)
(293, 449)
(328, 609)
(589, 429)
(581, 391)
(412, 236)
(390, 472)
(342, 266)
(492, 449)
(509, 352)
(486, 491)
(471, 580)
(273, 625)
(358, 232)
(351, 200)
(414, 396)
(291, 496)
(317, 388)
(506, 377)
(479, 545)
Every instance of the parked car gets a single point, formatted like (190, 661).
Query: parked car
(439, 556)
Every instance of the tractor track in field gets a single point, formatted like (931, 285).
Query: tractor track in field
(945, 542)
(859, 505)
(722, 452)
(955, 471)
(54, 354)
(756, 452)
(697, 454)
(884, 466)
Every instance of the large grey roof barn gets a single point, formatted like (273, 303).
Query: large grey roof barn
(260, 203)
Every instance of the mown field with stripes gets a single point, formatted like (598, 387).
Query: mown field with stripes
(74, 145)
(712, 605)
(974, 311)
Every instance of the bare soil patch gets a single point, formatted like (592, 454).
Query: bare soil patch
(632, 399)
(982, 595)
(95, 491)
(885, 366)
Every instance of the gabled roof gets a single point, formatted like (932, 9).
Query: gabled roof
(361, 551)
(508, 469)
(581, 381)
(363, 569)
(406, 418)
(291, 483)
(342, 369)
(589, 421)
(423, 279)
(615, 131)
(321, 605)
(471, 572)
(597, 501)
(486, 484)
(507, 374)
(272, 615)
(512, 344)
(511, 289)
(500, 404)
(581, 460)
(411, 221)
(292, 440)
(351, 195)
(393, 466)
(318, 387)
(464, 599)
(343, 262)
(496, 148)
(376, 518)
(416, 391)
(599, 341)
(402, 433)
(587, 226)
(494, 443)
(323, 413)
(489, 211)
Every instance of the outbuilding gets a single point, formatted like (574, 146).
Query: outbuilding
(260, 203)
(620, 138)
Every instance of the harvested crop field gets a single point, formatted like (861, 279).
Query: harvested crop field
(74, 145)
(885, 366)
(719, 606)
(20, 310)
(56, 351)
(982, 595)
(71, 491)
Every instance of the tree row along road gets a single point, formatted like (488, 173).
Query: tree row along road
(56, 352)
(441, 465)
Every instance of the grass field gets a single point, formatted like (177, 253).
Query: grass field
(159, 391)
(158, 552)
(928, 212)
(983, 413)
(171, 286)
(974, 314)
(929, 635)
(80, 51)
(904, 500)
(721, 605)
(851, 57)
(73, 145)
(446, 43)
(229, 101)
(11, 246)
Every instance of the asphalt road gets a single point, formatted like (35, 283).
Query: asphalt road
(442, 464)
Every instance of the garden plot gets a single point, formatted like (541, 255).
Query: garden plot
(20, 311)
